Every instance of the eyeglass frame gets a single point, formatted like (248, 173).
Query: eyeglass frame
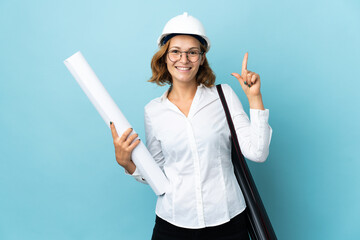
(187, 55)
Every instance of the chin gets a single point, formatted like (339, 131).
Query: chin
(184, 80)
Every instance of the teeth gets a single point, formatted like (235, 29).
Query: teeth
(183, 68)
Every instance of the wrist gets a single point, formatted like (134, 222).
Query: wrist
(130, 167)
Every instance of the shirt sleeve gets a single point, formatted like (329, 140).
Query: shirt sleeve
(154, 147)
(254, 136)
(152, 143)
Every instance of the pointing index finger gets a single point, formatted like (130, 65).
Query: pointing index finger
(244, 64)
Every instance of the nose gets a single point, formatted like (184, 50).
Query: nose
(184, 58)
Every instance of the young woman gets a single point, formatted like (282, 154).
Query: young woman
(188, 136)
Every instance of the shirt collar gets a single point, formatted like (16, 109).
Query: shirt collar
(165, 94)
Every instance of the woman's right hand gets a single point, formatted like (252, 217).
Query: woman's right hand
(124, 146)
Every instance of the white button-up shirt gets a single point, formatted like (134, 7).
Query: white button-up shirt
(195, 154)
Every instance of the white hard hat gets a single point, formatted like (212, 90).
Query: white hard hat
(184, 24)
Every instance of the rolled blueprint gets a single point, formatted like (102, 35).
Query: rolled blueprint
(109, 111)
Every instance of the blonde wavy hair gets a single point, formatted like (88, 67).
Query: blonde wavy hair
(161, 75)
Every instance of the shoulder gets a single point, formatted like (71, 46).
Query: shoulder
(152, 107)
(226, 88)
(156, 104)
(212, 91)
(153, 103)
(230, 95)
(228, 91)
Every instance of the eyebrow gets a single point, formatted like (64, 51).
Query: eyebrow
(187, 50)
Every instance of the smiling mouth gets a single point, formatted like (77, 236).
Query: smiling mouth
(183, 68)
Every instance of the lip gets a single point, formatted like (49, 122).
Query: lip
(183, 69)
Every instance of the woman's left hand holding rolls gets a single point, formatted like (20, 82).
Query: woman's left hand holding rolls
(250, 83)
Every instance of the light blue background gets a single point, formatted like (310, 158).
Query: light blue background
(58, 175)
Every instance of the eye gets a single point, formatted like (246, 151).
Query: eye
(193, 52)
(174, 51)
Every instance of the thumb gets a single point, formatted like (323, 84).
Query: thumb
(239, 78)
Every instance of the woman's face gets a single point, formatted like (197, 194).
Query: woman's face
(184, 71)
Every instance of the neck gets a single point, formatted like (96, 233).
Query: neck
(183, 91)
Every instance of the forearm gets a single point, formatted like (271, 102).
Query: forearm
(255, 136)
(256, 102)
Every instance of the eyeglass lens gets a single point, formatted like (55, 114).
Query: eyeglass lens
(192, 56)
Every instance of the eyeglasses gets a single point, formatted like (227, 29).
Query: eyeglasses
(191, 55)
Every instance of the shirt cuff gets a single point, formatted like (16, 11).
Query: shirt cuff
(259, 116)
(135, 173)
